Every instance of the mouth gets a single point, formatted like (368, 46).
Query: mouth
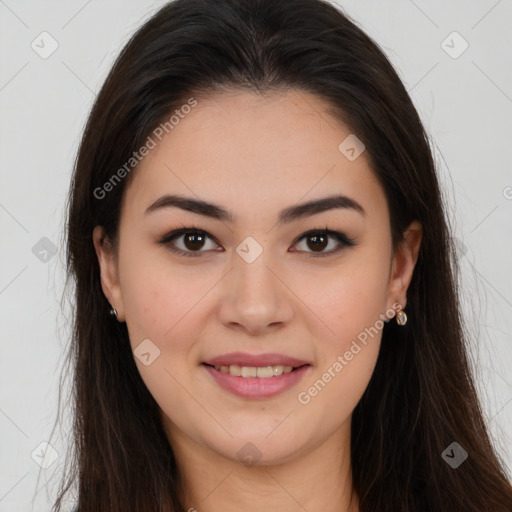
(256, 382)
(261, 372)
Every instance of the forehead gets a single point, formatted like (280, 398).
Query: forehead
(257, 153)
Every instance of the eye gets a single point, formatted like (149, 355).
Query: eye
(318, 239)
(194, 239)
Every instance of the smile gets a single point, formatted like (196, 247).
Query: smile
(262, 372)
(256, 382)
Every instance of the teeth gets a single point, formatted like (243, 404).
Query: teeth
(263, 372)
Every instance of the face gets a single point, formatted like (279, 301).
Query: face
(254, 281)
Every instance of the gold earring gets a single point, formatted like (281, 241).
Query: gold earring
(401, 317)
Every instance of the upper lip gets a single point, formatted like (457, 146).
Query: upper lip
(245, 359)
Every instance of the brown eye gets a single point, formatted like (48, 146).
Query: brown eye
(193, 241)
(318, 240)
(188, 241)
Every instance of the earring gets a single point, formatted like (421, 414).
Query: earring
(401, 317)
(113, 312)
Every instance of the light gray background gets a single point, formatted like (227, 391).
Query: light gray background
(466, 105)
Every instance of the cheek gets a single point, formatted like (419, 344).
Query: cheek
(348, 297)
(347, 303)
(159, 303)
(158, 295)
(351, 306)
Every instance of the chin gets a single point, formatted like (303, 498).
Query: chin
(257, 450)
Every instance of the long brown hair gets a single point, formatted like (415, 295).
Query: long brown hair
(421, 396)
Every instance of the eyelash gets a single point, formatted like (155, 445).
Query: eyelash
(343, 239)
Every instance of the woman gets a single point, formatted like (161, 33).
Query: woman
(266, 309)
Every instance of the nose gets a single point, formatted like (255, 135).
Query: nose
(256, 298)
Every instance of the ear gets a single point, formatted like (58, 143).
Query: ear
(108, 270)
(404, 261)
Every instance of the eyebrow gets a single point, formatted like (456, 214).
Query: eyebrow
(286, 216)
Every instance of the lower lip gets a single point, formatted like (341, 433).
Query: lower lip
(254, 387)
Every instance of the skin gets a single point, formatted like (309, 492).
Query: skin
(256, 155)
